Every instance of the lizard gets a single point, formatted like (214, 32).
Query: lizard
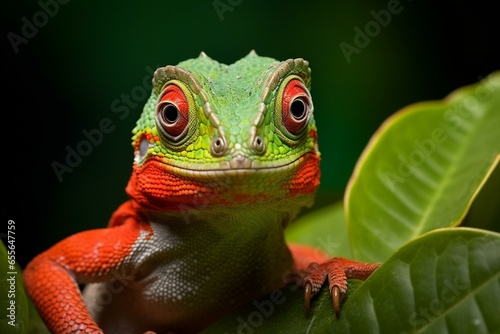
(225, 157)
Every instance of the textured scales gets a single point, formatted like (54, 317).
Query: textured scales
(225, 157)
(234, 105)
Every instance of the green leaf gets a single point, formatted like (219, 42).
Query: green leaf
(422, 169)
(446, 281)
(324, 228)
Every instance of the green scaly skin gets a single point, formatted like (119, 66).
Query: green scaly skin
(236, 95)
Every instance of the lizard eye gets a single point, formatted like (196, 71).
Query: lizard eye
(172, 113)
(296, 107)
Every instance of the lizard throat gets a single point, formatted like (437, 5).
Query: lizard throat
(160, 186)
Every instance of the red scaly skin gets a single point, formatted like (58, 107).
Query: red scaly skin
(306, 179)
(87, 256)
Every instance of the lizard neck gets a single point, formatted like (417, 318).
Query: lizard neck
(224, 257)
(227, 218)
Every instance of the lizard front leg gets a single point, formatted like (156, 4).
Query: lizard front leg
(52, 277)
(313, 268)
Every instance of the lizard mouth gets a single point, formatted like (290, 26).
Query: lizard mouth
(238, 166)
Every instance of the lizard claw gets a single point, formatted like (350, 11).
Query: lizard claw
(336, 271)
(336, 298)
(307, 296)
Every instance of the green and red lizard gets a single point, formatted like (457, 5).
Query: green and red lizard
(225, 158)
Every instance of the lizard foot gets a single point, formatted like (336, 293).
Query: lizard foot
(337, 270)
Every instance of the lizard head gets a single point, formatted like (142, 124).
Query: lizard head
(233, 135)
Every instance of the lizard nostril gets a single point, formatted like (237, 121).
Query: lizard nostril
(218, 146)
(258, 145)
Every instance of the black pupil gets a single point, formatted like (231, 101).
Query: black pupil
(170, 113)
(298, 109)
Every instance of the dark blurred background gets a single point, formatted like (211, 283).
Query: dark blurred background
(67, 66)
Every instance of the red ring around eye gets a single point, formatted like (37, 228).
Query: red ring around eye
(295, 106)
(173, 111)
